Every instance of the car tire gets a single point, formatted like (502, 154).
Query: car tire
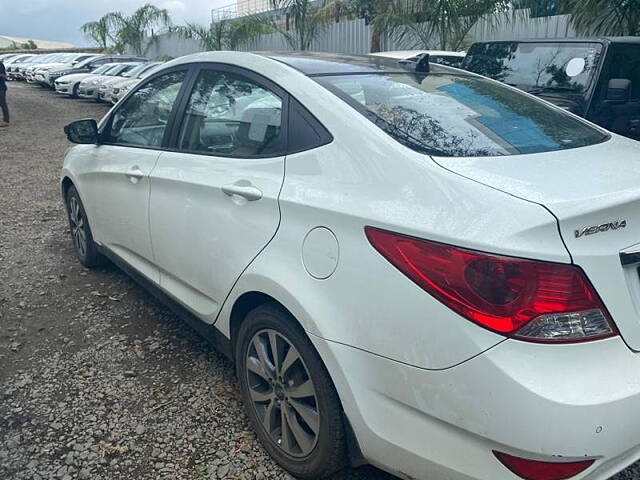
(83, 244)
(296, 389)
(74, 91)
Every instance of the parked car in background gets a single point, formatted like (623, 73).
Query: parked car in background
(19, 71)
(69, 84)
(104, 90)
(7, 56)
(89, 87)
(596, 78)
(14, 62)
(443, 281)
(441, 57)
(42, 73)
(91, 64)
(118, 87)
(50, 59)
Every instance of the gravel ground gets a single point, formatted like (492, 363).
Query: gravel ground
(97, 380)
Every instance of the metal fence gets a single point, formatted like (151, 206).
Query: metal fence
(354, 36)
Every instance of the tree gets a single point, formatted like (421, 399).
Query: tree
(304, 20)
(443, 24)
(223, 34)
(605, 17)
(98, 31)
(372, 11)
(132, 30)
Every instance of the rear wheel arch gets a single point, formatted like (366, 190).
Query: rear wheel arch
(249, 301)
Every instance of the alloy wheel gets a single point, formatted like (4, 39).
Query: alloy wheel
(282, 393)
(78, 231)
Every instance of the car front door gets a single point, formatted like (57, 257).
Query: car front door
(214, 200)
(116, 185)
(623, 62)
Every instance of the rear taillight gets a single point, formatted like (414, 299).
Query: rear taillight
(536, 470)
(531, 300)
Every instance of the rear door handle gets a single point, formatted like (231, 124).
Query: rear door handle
(248, 192)
(135, 174)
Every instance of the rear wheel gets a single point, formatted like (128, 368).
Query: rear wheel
(288, 394)
(81, 235)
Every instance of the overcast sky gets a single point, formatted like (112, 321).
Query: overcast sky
(60, 20)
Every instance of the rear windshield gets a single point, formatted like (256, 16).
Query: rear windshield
(460, 115)
(536, 66)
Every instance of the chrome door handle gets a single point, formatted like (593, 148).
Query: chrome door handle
(135, 174)
(249, 192)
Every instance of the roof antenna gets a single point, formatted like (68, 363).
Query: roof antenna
(418, 64)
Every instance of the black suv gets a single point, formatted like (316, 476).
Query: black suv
(596, 78)
(90, 64)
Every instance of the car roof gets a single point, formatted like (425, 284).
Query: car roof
(571, 40)
(316, 64)
(311, 63)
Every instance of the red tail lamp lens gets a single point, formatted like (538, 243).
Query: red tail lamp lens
(501, 293)
(535, 470)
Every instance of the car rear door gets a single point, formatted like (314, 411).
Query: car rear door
(214, 199)
(116, 183)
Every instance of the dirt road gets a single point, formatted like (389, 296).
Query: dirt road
(97, 380)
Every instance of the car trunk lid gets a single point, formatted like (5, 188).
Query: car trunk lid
(594, 192)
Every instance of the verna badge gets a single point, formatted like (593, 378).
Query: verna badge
(600, 228)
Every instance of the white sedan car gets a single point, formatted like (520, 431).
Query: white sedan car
(70, 84)
(411, 265)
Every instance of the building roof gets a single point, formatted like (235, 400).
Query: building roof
(7, 41)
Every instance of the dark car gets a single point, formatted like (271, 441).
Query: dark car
(90, 64)
(596, 78)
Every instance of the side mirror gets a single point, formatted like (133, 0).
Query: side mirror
(82, 131)
(619, 90)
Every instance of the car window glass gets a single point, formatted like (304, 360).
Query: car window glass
(460, 115)
(230, 115)
(534, 66)
(142, 119)
(624, 62)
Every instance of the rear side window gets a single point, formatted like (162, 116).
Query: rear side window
(142, 119)
(460, 115)
(230, 115)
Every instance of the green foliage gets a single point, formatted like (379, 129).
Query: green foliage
(605, 17)
(115, 31)
(442, 24)
(131, 30)
(99, 32)
(305, 19)
(224, 34)
(29, 45)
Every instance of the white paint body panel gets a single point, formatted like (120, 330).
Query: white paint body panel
(428, 393)
(199, 265)
(582, 187)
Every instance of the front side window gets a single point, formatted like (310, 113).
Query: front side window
(142, 119)
(460, 115)
(230, 115)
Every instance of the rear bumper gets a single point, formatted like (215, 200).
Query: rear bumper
(534, 401)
